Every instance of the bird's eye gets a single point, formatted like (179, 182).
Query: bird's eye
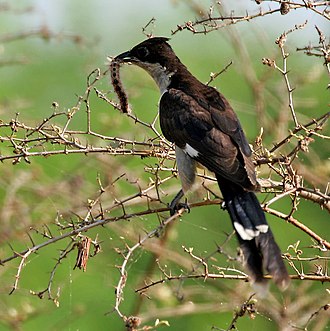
(142, 52)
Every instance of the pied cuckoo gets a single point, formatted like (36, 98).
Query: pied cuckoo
(205, 129)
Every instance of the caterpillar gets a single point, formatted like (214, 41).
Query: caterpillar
(118, 87)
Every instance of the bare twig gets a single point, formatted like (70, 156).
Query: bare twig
(130, 250)
(324, 245)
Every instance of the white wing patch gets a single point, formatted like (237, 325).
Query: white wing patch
(249, 234)
(190, 151)
(262, 228)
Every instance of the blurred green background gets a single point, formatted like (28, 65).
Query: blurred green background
(57, 44)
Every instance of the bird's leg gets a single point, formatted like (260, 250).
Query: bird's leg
(175, 204)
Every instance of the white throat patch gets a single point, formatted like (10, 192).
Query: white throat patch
(159, 74)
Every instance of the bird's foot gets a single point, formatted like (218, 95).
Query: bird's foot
(175, 207)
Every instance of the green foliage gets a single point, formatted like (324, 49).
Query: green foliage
(43, 197)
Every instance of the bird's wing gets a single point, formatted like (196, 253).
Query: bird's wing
(211, 135)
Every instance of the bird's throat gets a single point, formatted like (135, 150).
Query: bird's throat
(160, 75)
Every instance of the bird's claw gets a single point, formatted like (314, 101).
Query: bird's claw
(176, 207)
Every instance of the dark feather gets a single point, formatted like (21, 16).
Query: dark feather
(184, 121)
(260, 252)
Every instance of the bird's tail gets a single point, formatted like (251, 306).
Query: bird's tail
(256, 240)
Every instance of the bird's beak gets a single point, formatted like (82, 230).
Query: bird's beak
(125, 57)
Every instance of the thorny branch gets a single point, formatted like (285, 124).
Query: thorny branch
(43, 32)
(23, 142)
(284, 71)
(28, 142)
(130, 250)
(209, 23)
(223, 275)
(323, 308)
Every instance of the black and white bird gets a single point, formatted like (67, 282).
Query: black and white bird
(205, 129)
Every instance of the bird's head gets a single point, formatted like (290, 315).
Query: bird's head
(155, 56)
(151, 51)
